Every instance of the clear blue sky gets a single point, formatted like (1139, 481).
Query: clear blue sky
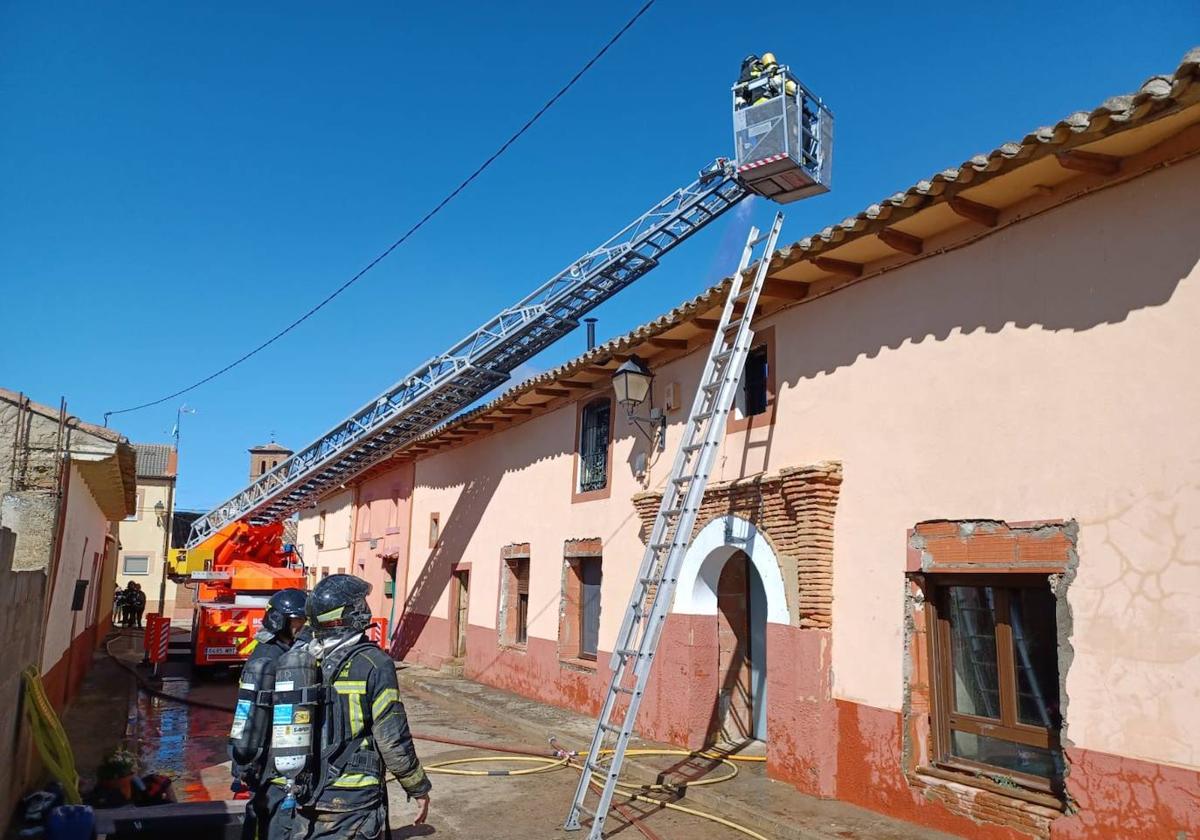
(179, 179)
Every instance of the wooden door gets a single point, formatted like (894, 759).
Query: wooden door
(462, 590)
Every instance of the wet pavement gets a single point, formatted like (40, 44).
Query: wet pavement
(188, 743)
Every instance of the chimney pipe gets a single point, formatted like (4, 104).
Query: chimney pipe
(591, 332)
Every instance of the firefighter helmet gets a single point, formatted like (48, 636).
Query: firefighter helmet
(284, 604)
(337, 604)
(768, 59)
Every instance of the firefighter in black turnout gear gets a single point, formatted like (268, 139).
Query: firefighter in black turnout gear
(364, 732)
(249, 739)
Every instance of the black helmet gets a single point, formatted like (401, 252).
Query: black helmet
(284, 604)
(339, 603)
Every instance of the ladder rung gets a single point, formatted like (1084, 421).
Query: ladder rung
(733, 324)
(724, 354)
(712, 386)
(627, 651)
(608, 727)
(661, 546)
(623, 690)
(683, 479)
(585, 809)
(692, 447)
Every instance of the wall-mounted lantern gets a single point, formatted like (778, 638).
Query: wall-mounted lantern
(631, 383)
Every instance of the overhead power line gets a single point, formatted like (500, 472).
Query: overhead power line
(408, 233)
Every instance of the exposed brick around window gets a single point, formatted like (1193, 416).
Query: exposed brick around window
(514, 551)
(988, 546)
(794, 510)
(590, 547)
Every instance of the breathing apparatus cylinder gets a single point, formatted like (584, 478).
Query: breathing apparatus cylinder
(294, 720)
(251, 728)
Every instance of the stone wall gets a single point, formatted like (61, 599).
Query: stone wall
(21, 602)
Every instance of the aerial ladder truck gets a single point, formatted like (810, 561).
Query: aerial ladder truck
(783, 137)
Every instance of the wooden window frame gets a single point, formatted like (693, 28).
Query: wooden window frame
(944, 719)
(739, 422)
(604, 492)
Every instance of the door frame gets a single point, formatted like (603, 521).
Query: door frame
(460, 577)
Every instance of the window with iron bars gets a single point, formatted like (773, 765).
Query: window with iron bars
(593, 446)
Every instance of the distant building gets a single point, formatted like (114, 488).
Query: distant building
(144, 532)
(267, 457)
(64, 484)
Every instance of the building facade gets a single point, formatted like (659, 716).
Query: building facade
(64, 484)
(145, 533)
(945, 567)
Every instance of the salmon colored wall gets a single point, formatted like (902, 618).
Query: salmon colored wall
(1044, 372)
(334, 553)
(381, 519)
(84, 527)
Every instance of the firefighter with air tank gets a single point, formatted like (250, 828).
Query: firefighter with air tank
(337, 726)
(249, 737)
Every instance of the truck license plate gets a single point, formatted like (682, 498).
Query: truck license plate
(220, 651)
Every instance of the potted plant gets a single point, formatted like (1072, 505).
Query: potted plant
(115, 773)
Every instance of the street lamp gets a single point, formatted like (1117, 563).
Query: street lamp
(631, 383)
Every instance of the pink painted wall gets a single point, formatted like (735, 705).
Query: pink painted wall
(1045, 372)
(382, 516)
(1040, 373)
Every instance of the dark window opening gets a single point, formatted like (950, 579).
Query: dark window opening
(593, 446)
(520, 569)
(589, 607)
(754, 382)
(996, 700)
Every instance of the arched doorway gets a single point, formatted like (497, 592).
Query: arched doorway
(731, 573)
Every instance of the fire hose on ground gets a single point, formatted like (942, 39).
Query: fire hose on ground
(48, 735)
(547, 763)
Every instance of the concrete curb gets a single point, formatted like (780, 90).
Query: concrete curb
(514, 711)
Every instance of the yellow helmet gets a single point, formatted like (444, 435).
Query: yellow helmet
(768, 59)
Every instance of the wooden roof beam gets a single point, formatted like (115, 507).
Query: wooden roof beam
(974, 211)
(898, 240)
(846, 269)
(668, 343)
(598, 370)
(554, 393)
(1090, 162)
(785, 289)
(708, 324)
(514, 409)
(576, 384)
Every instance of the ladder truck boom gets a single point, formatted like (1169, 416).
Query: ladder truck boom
(782, 137)
(450, 382)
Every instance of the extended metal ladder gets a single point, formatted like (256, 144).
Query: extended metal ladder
(654, 588)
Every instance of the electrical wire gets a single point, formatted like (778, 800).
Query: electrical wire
(408, 233)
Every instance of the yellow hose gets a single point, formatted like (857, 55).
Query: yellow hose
(48, 735)
(547, 763)
(733, 771)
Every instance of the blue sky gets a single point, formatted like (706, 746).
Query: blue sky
(178, 180)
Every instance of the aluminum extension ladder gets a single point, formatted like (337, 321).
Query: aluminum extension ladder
(654, 588)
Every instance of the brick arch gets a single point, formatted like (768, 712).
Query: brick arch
(793, 510)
